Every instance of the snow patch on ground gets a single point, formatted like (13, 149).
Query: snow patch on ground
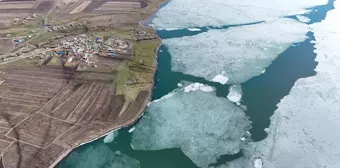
(235, 94)
(199, 13)
(303, 19)
(202, 125)
(238, 51)
(304, 130)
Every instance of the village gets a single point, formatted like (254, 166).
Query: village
(70, 72)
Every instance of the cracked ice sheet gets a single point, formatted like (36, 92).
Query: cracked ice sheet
(199, 13)
(241, 52)
(202, 125)
(304, 130)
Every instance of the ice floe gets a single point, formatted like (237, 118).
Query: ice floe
(198, 86)
(194, 29)
(110, 137)
(99, 155)
(131, 129)
(220, 79)
(304, 130)
(258, 163)
(303, 18)
(235, 94)
(202, 125)
(199, 13)
(237, 51)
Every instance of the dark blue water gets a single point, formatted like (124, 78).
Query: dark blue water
(261, 95)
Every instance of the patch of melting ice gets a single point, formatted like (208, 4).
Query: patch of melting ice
(198, 13)
(202, 125)
(235, 94)
(238, 51)
(110, 137)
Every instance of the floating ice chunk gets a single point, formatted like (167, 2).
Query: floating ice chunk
(164, 97)
(110, 137)
(303, 19)
(194, 29)
(131, 130)
(243, 139)
(304, 130)
(202, 125)
(179, 85)
(209, 53)
(198, 86)
(220, 79)
(258, 163)
(122, 161)
(200, 13)
(169, 29)
(243, 107)
(235, 94)
(312, 41)
(99, 155)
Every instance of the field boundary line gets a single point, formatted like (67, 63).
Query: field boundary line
(97, 95)
(81, 101)
(34, 112)
(69, 97)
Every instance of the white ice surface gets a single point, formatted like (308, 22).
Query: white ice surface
(304, 130)
(131, 130)
(220, 79)
(257, 163)
(303, 18)
(238, 51)
(199, 13)
(202, 125)
(194, 29)
(198, 86)
(235, 94)
(110, 137)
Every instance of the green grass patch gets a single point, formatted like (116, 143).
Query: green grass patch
(24, 62)
(120, 33)
(137, 74)
(44, 37)
(55, 61)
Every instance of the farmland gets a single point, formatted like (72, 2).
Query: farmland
(50, 107)
(51, 103)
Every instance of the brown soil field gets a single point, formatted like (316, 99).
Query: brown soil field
(37, 123)
(44, 6)
(46, 111)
